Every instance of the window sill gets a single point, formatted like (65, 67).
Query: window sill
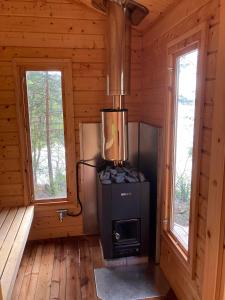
(51, 202)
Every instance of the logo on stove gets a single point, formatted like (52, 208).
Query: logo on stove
(126, 194)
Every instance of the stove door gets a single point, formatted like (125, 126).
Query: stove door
(126, 231)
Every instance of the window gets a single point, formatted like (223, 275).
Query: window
(185, 102)
(47, 114)
(45, 109)
(182, 147)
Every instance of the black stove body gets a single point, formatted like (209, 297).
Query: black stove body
(123, 214)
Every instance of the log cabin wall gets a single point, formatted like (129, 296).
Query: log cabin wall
(186, 16)
(54, 29)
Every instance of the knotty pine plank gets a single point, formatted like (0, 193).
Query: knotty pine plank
(209, 91)
(3, 215)
(6, 226)
(27, 274)
(9, 151)
(77, 55)
(8, 277)
(45, 10)
(7, 97)
(6, 69)
(213, 38)
(205, 161)
(8, 125)
(211, 65)
(89, 69)
(51, 25)
(7, 245)
(11, 190)
(45, 273)
(35, 272)
(11, 201)
(62, 294)
(46, 40)
(89, 84)
(96, 253)
(7, 111)
(206, 140)
(208, 115)
(56, 274)
(9, 139)
(86, 272)
(72, 270)
(203, 186)
(201, 228)
(9, 164)
(202, 210)
(44, 220)
(7, 83)
(21, 273)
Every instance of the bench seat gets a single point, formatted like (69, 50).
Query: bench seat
(15, 226)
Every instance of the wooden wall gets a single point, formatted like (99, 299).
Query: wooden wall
(183, 18)
(54, 29)
(68, 29)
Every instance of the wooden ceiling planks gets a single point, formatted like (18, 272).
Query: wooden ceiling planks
(157, 9)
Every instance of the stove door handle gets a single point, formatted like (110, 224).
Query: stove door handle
(116, 235)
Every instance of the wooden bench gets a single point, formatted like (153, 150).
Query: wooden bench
(15, 225)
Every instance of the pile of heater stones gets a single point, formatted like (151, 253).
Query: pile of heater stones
(122, 174)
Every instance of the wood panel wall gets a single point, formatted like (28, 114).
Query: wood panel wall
(54, 29)
(214, 268)
(68, 29)
(183, 18)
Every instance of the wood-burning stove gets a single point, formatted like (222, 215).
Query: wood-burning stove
(123, 214)
(123, 198)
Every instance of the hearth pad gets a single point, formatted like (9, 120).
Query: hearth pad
(130, 282)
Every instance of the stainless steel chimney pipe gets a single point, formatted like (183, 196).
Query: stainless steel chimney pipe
(120, 15)
(118, 41)
(114, 121)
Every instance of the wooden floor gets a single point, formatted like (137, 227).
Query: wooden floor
(59, 269)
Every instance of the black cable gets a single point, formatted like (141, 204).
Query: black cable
(83, 162)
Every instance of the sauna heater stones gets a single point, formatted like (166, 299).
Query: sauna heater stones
(123, 212)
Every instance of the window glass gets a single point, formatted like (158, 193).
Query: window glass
(45, 108)
(186, 75)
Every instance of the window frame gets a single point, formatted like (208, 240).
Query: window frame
(65, 67)
(190, 41)
(174, 104)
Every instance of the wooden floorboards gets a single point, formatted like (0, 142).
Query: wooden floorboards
(59, 269)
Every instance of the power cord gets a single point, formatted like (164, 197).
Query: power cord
(78, 163)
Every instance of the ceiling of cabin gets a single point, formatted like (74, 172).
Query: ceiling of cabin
(157, 9)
